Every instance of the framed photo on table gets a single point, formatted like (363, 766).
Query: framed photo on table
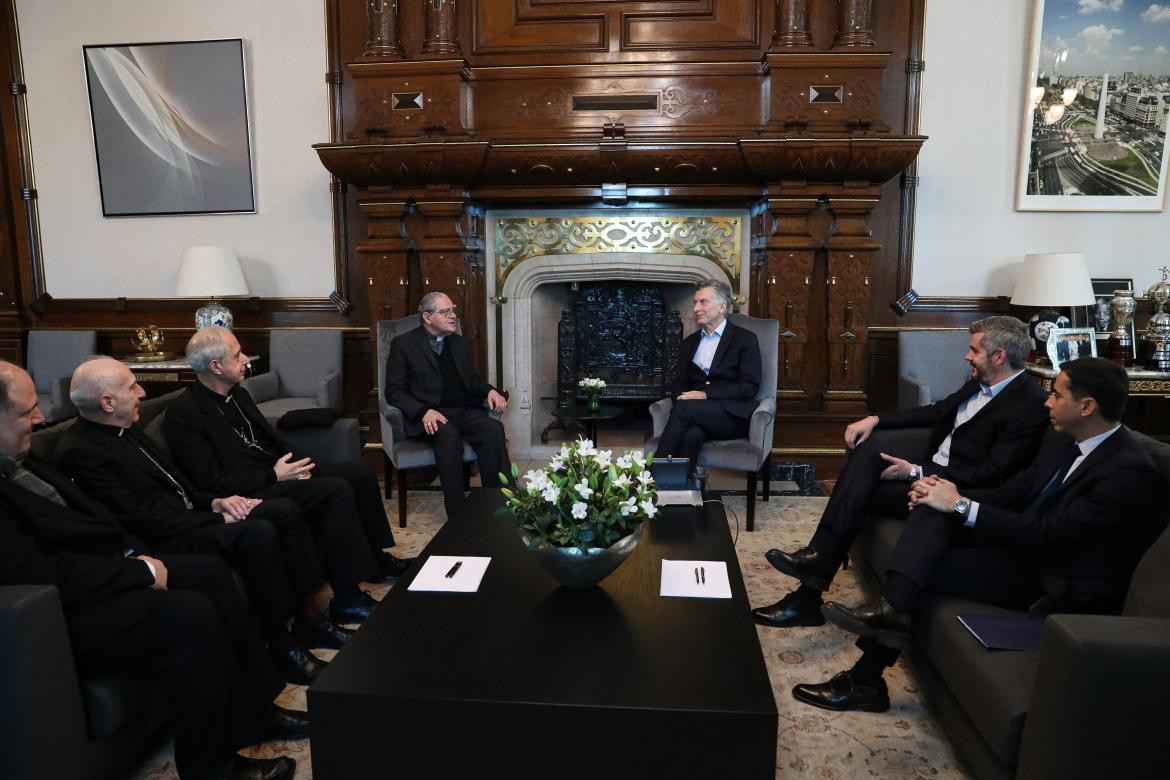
(1065, 344)
(1098, 316)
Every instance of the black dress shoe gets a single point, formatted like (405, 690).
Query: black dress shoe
(279, 723)
(296, 664)
(842, 693)
(806, 565)
(282, 768)
(879, 620)
(789, 612)
(390, 568)
(354, 609)
(319, 632)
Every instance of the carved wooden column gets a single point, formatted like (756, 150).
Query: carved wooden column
(442, 31)
(792, 24)
(854, 23)
(382, 37)
(385, 253)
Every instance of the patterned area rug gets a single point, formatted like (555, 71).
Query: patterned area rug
(905, 742)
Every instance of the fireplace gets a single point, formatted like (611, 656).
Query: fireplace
(535, 266)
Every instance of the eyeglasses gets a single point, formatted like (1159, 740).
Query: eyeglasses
(445, 312)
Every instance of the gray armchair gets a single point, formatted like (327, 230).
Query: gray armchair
(398, 452)
(304, 372)
(52, 357)
(753, 454)
(930, 365)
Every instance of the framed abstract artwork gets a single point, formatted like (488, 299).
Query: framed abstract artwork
(170, 127)
(1095, 107)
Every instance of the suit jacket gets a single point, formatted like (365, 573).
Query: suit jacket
(78, 548)
(735, 373)
(210, 452)
(414, 382)
(109, 468)
(1087, 534)
(995, 444)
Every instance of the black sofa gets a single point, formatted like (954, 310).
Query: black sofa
(1090, 704)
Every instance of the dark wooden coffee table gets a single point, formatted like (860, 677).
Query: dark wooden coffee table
(529, 679)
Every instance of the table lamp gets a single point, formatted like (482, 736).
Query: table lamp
(210, 272)
(1049, 280)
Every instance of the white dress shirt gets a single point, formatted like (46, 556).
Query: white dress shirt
(708, 343)
(967, 410)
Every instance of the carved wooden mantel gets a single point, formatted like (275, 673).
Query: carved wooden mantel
(454, 109)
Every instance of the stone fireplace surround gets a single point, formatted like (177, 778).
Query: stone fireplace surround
(523, 359)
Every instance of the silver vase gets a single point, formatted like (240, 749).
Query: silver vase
(576, 569)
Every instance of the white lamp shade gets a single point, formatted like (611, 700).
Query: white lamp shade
(1054, 279)
(210, 271)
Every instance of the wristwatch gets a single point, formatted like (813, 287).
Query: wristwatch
(915, 472)
(962, 506)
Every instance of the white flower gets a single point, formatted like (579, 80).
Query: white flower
(621, 481)
(645, 478)
(585, 447)
(629, 506)
(536, 481)
(639, 458)
(551, 493)
(556, 464)
(624, 462)
(580, 509)
(649, 509)
(602, 458)
(564, 453)
(583, 489)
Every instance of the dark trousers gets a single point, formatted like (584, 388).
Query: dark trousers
(332, 513)
(935, 554)
(368, 498)
(196, 644)
(486, 437)
(253, 548)
(693, 422)
(860, 492)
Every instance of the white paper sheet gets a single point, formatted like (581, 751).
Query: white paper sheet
(680, 498)
(433, 574)
(695, 579)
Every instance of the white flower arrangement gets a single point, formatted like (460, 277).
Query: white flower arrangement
(583, 498)
(592, 384)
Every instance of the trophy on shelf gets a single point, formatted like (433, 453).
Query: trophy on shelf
(1120, 348)
(1156, 341)
(148, 341)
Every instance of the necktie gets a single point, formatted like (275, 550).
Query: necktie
(1057, 479)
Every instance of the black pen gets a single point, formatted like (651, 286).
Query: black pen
(704, 573)
(454, 568)
(696, 576)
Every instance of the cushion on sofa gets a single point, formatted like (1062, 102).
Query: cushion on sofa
(113, 702)
(994, 687)
(1149, 588)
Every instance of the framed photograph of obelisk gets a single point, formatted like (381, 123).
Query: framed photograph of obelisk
(170, 127)
(1095, 107)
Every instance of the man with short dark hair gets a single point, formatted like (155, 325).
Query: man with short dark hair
(716, 381)
(980, 435)
(223, 443)
(430, 376)
(266, 540)
(1061, 536)
(174, 620)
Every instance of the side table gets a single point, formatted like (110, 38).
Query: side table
(580, 414)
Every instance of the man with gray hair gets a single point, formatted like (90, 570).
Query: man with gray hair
(716, 381)
(225, 445)
(983, 433)
(430, 376)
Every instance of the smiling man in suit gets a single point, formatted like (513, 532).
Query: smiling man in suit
(1063, 535)
(716, 381)
(980, 435)
(431, 377)
(174, 620)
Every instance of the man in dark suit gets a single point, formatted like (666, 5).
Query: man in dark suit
(268, 541)
(430, 376)
(175, 620)
(1063, 535)
(224, 445)
(980, 435)
(716, 381)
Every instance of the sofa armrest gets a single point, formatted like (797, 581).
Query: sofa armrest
(659, 414)
(329, 391)
(912, 392)
(393, 425)
(262, 387)
(1098, 702)
(42, 717)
